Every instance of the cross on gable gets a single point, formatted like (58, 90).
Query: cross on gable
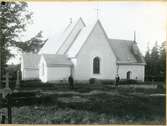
(97, 12)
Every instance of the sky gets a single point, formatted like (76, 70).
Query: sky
(119, 19)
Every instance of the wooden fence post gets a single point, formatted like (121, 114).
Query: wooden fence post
(6, 94)
(18, 79)
(3, 119)
(6, 90)
(9, 108)
(7, 80)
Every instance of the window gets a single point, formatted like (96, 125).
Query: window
(96, 65)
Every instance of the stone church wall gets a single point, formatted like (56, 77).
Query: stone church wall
(95, 46)
(136, 72)
(30, 74)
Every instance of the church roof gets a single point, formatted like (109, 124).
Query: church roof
(124, 52)
(56, 60)
(31, 60)
(54, 43)
(72, 52)
(119, 47)
(70, 36)
(123, 49)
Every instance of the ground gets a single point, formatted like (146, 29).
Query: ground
(91, 104)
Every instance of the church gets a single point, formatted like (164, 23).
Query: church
(85, 52)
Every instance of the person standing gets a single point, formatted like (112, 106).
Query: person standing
(117, 79)
(71, 82)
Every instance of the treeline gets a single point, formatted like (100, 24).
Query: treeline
(155, 58)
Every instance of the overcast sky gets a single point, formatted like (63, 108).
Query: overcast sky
(120, 19)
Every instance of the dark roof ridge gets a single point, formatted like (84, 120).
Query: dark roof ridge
(56, 59)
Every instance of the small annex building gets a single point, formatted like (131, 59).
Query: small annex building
(29, 66)
(86, 51)
(54, 67)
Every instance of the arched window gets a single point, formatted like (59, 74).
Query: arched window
(128, 74)
(96, 65)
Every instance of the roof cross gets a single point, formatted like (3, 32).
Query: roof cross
(97, 13)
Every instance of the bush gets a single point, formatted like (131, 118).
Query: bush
(23, 94)
(161, 86)
(92, 80)
(125, 81)
(31, 83)
(108, 81)
(155, 78)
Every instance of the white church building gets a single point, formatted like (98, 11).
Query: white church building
(85, 52)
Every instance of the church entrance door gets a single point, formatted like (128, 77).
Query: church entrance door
(128, 75)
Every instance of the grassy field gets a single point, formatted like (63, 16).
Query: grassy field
(91, 104)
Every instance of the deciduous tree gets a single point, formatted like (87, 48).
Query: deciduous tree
(14, 17)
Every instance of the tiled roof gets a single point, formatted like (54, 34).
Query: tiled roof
(56, 60)
(124, 52)
(123, 49)
(70, 36)
(80, 40)
(54, 43)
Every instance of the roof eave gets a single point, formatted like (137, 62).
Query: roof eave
(59, 65)
(130, 63)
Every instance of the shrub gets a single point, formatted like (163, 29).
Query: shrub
(92, 80)
(125, 81)
(161, 86)
(108, 81)
(31, 83)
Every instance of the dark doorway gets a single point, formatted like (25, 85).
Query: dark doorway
(128, 75)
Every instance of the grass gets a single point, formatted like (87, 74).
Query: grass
(99, 109)
(56, 115)
(90, 104)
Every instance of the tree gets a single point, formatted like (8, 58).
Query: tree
(13, 19)
(33, 45)
(162, 62)
(14, 16)
(155, 61)
(148, 64)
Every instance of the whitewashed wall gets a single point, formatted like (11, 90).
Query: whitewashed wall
(30, 74)
(58, 73)
(42, 73)
(96, 45)
(136, 71)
